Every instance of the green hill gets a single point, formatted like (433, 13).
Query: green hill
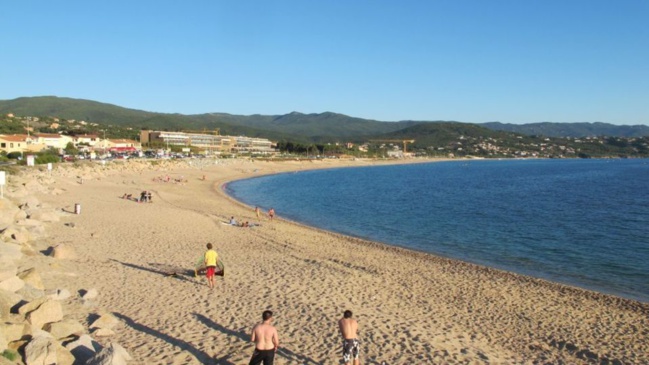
(576, 130)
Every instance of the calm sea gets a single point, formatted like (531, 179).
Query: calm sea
(579, 222)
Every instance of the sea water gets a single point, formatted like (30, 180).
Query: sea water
(578, 222)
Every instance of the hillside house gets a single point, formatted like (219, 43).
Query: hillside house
(13, 143)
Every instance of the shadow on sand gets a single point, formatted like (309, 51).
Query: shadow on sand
(165, 270)
(284, 352)
(201, 356)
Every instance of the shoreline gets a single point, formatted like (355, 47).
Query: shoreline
(419, 309)
(566, 283)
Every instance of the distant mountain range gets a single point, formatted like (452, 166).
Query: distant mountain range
(576, 130)
(320, 127)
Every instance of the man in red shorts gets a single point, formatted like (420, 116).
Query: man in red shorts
(210, 258)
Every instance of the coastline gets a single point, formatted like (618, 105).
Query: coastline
(420, 308)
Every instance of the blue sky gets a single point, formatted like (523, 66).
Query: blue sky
(476, 61)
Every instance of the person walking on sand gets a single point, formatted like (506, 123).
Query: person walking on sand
(351, 346)
(271, 213)
(266, 340)
(257, 212)
(210, 259)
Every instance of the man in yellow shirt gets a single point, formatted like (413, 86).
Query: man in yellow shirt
(211, 258)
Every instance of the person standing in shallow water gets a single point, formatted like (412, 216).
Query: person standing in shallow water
(271, 213)
(351, 346)
(266, 340)
(210, 259)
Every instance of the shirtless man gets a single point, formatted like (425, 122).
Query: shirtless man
(351, 346)
(264, 335)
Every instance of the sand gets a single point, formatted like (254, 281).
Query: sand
(418, 309)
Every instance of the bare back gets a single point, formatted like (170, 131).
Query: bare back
(348, 328)
(265, 337)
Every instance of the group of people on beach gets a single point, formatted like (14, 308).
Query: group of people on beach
(264, 334)
(271, 213)
(167, 178)
(246, 224)
(266, 339)
(145, 196)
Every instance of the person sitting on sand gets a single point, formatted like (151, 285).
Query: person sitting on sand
(351, 346)
(143, 196)
(233, 221)
(210, 258)
(148, 196)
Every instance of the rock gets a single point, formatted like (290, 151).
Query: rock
(29, 293)
(31, 306)
(48, 312)
(33, 278)
(113, 354)
(8, 300)
(20, 215)
(15, 331)
(7, 269)
(103, 332)
(60, 294)
(13, 284)
(15, 234)
(90, 294)
(64, 328)
(83, 348)
(106, 321)
(45, 216)
(36, 232)
(35, 187)
(10, 251)
(41, 350)
(63, 252)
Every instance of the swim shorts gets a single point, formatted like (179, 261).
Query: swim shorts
(210, 271)
(351, 349)
(267, 356)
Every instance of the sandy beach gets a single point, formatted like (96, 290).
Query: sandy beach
(418, 309)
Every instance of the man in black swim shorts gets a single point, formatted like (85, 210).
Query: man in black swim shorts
(351, 346)
(264, 335)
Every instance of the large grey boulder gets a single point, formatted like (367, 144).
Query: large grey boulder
(113, 354)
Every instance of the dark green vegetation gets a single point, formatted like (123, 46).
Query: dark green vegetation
(327, 133)
(575, 130)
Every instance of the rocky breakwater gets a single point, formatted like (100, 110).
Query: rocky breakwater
(34, 327)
